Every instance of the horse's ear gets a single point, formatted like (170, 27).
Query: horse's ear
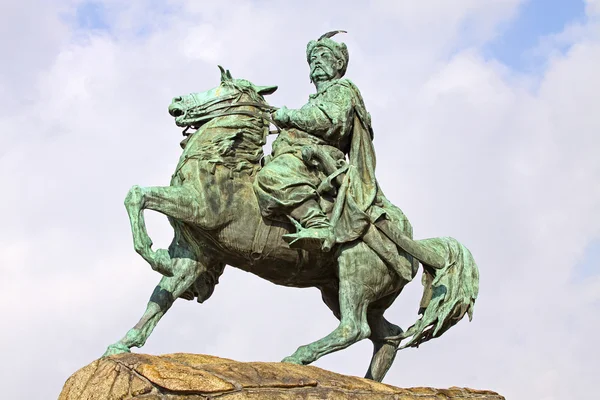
(225, 75)
(265, 90)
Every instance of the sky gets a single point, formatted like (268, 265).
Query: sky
(486, 130)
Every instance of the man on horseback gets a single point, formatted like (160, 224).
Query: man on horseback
(287, 185)
(322, 176)
(311, 150)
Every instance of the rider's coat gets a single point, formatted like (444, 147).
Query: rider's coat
(335, 120)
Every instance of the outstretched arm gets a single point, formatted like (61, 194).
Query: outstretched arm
(322, 115)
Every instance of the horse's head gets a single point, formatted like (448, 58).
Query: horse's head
(195, 109)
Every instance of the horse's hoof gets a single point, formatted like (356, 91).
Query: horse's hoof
(116, 348)
(291, 360)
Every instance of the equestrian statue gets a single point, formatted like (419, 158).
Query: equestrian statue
(310, 214)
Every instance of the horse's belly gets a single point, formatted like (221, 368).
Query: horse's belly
(293, 270)
(232, 227)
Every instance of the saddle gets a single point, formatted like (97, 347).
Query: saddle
(335, 171)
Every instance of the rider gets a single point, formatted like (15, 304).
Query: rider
(335, 123)
(287, 185)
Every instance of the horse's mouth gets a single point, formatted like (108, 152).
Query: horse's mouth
(176, 112)
(179, 113)
(184, 120)
(181, 119)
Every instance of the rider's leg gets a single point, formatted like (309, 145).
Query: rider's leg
(316, 231)
(310, 215)
(287, 186)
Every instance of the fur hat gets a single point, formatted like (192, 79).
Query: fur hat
(339, 50)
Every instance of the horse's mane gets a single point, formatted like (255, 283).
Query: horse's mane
(245, 87)
(236, 142)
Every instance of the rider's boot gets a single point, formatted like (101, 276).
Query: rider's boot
(315, 231)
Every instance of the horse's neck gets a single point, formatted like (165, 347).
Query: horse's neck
(234, 141)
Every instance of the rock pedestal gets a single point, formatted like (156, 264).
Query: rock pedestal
(201, 377)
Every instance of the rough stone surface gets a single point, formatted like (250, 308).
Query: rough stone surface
(202, 377)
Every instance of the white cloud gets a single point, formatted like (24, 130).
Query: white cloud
(592, 7)
(503, 161)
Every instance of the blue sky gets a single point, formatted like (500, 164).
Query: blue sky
(94, 16)
(91, 16)
(513, 47)
(588, 264)
(535, 20)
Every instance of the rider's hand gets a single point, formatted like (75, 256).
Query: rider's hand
(281, 117)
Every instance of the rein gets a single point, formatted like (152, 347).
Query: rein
(212, 109)
(209, 110)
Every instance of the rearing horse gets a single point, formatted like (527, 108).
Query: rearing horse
(216, 220)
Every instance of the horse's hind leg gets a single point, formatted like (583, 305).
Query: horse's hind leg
(186, 269)
(353, 327)
(360, 282)
(384, 350)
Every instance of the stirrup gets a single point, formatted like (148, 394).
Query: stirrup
(311, 239)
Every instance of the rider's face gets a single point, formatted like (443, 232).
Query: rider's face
(323, 65)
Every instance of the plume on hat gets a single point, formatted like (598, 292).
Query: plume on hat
(331, 34)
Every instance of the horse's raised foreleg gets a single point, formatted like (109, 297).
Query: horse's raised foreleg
(358, 287)
(185, 272)
(178, 202)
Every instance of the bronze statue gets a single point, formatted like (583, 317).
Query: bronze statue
(311, 214)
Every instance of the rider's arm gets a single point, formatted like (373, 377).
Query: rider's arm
(325, 113)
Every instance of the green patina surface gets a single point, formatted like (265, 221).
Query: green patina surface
(311, 214)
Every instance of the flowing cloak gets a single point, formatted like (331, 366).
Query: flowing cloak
(360, 202)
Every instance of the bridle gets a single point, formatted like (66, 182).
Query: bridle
(215, 108)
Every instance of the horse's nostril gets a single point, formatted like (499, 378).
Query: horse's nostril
(175, 110)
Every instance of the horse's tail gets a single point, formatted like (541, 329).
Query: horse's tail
(449, 293)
